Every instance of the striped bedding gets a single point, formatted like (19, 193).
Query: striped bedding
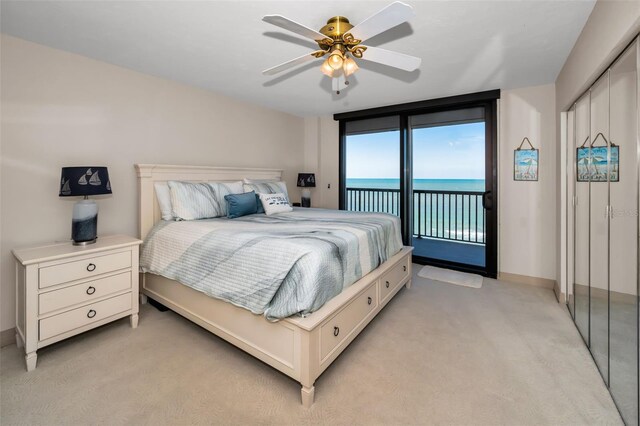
(277, 266)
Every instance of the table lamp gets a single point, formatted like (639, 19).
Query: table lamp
(83, 182)
(306, 181)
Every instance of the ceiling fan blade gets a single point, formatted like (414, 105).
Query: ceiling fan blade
(393, 15)
(392, 59)
(288, 24)
(292, 63)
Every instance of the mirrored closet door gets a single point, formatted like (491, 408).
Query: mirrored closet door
(604, 139)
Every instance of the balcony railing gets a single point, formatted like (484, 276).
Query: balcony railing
(448, 215)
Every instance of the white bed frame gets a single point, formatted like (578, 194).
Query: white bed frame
(301, 348)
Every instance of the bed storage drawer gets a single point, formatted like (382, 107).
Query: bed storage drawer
(83, 293)
(79, 269)
(70, 320)
(393, 278)
(340, 326)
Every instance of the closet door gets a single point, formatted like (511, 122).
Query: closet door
(623, 271)
(571, 168)
(581, 219)
(599, 226)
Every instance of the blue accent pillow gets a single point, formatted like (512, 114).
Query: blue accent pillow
(241, 204)
(259, 203)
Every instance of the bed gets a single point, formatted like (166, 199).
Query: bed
(301, 345)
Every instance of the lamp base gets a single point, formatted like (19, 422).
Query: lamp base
(84, 224)
(306, 198)
(85, 243)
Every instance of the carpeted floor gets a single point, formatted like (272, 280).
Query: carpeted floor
(437, 354)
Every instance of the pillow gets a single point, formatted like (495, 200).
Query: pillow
(267, 188)
(164, 200)
(275, 203)
(225, 188)
(190, 200)
(259, 204)
(241, 204)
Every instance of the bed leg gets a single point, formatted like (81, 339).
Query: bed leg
(307, 396)
(408, 284)
(143, 299)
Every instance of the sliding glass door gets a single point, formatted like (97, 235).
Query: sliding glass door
(434, 166)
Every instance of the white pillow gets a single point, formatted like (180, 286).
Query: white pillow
(277, 187)
(164, 200)
(275, 203)
(191, 200)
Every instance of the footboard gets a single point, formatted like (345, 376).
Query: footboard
(301, 348)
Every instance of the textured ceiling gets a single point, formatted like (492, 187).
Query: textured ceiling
(465, 46)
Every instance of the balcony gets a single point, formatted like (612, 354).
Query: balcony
(447, 225)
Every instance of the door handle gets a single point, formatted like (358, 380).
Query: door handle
(485, 195)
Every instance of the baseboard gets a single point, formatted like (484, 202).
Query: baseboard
(560, 296)
(524, 279)
(7, 337)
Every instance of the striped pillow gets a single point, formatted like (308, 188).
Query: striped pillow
(190, 200)
(267, 188)
(225, 188)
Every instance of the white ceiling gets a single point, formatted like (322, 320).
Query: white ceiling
(465, 46)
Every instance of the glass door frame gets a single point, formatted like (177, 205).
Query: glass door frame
(487, 100)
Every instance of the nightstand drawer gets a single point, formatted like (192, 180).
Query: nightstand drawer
(88, 314)
(86, 268)
(85, 292)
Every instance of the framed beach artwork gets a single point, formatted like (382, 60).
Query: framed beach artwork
(525, 163)
(592, 164)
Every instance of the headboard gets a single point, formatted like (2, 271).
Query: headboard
(148, 174)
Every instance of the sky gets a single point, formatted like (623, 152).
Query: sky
(443, 152)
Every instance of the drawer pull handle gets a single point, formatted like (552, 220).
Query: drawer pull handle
(369, 300)
(91, 267)
(91, 313)
(386, 284)
(336, 331)
(404, 268)
(91, 290)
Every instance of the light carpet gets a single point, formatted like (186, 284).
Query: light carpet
(437, 354)
(452, 277)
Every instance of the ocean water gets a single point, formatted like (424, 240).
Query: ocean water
(434, 184)
(458, 217)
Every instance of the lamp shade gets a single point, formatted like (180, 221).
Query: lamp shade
(306, 180)
(84, 181)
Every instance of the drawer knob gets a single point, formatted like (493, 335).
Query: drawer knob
(91, 290)
(91, 267)
(386, 284)
(336, 331)
(91, 313)
(404, 268)
(369, 300)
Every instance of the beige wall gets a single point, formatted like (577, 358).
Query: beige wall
(62, 109)
(526, 209)
(611, 26)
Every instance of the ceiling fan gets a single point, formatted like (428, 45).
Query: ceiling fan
(342, 42)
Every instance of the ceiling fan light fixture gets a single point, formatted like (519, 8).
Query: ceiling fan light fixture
(350, 66)
(326, 68)
(336, 59)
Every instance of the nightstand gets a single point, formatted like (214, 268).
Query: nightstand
(63, 290)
